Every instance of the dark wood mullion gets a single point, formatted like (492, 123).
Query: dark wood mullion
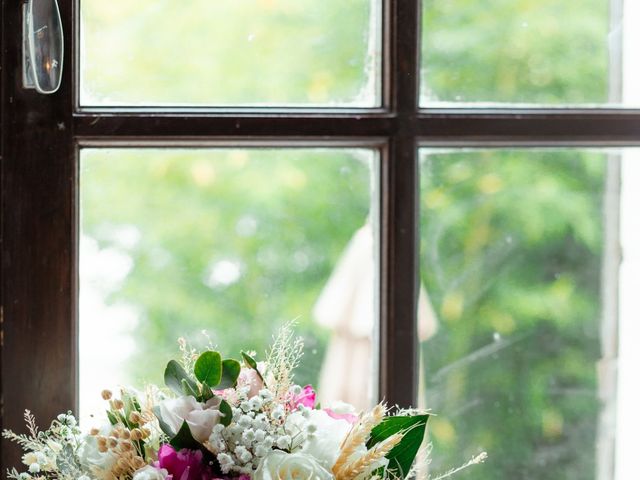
(38, 242)
(399, 232)
(514, 125)
(170, 125)
(530, 126)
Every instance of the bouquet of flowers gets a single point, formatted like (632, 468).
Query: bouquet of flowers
(221, 418)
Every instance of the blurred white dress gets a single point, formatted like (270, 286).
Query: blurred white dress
(347, 306)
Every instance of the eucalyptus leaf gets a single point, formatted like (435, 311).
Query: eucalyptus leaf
(207, 393)
(188, 388)
(164, 426)
(208, 368)
(230, 373)
(174, 374)
(227, 413)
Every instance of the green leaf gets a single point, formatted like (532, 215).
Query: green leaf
(188, 388)
(184, 439)
(401, 457)
(207, 393)
(208, 368)
(230, 372)
(130, 405)
(164, 426)
(112, 418)
(250, 361)
(174, 374)
(225, 409)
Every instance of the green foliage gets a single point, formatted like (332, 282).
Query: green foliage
(164, 426)
(230, 373)
(184, 439)
(249, 52)
(523, 51)
(208, 368)
(251, 363)
(511, 255)
(178, 380)
(401, 457)
(227, 413)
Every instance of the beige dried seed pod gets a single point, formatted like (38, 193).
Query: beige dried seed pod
(126, 446)
(106, 394)
(135, 417)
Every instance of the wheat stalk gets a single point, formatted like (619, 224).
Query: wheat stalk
(351, 471)
(358, 435)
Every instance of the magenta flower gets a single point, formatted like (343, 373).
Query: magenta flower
(183, 465)
(307, 398)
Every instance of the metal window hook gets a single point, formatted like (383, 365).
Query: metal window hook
(43, 46)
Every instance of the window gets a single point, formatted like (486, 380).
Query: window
(487, 157)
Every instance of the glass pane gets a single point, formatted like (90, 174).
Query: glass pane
(519, 310)
(550, 52)
(230, 52)
(234, 242)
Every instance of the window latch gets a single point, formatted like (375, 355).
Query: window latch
(43, 46)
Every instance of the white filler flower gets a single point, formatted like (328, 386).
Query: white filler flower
(279, 465)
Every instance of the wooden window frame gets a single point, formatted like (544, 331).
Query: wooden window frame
(41, 137)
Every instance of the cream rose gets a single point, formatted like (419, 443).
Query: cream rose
(90, 455)
(278, 465)
(324, 444)
(150, 473)
(200, 417)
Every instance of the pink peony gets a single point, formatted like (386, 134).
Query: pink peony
(183, 465)
(307, 398)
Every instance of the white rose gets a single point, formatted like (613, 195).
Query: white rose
(201, 418)
(324, 444)
(150, 472)
(279, 465)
